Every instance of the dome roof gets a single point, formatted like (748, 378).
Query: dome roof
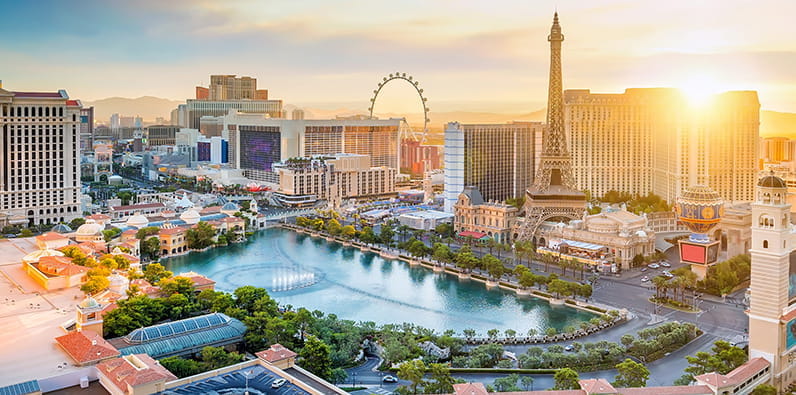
(88, 303)
(117, 279)
(137, 221)
(61, 228)
(230, 207)
(641, 233)
(771, 182)
(190, 216)
(700, 194)
(36, 255)
(90, 228)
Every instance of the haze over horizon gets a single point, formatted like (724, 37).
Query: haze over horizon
(470, 51)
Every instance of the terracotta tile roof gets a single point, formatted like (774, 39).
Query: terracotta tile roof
(172, 231)
(747, 370)
(122, 371)
(673, 390)
(51, 236)
(198, 279)
(108, 308)
(469, 389)
(130, 232)
(140, 206)
(597, 386)
(231, 219)
(98, 216)
(713, 379)
(75, 103)
(131, 258)
(86, 346)
(275, 353)
(210, 210)
(475, 235)
(60, 266)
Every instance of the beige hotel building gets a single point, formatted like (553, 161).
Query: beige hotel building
(40, 148)
(653, 140)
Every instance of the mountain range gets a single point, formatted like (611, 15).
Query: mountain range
(772, 123)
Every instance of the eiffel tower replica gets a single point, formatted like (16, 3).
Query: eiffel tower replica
(553, 195)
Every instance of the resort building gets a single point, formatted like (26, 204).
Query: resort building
(137, 374)
(89, 231)
(493, 219)
(607, 241)
(303, 181)
(425, 219)
(121, 213)
(496, 158)
(86, 347)
(172, 240)
(56, 272)
(40, 164)
(256, 143)
(653, 140)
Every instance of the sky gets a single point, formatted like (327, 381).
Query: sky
(489, 55)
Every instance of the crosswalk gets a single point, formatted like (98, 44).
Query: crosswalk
(379, 391)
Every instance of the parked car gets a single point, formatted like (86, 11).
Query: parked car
(667, 274)
(665, 264)
(643, 269)
(569, 348)
(278, 383)
(645, 279)
(389, 379)
(653, 266)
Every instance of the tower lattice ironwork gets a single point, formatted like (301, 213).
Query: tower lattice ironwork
(554, 193)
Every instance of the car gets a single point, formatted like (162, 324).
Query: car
(666, 264)
(643, 269)
(645, 279)
(389, 379)
(569, 348)
(278, 383)
(653, 266)
(667, 274)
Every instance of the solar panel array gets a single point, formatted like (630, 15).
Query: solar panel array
(27, 387)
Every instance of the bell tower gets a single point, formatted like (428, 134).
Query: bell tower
(89, 315)
(772, 309)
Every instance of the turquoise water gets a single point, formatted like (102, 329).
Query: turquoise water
(303, 271)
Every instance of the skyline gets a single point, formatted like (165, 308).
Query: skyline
(314, 52)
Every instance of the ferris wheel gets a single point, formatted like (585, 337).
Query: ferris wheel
(406, 131)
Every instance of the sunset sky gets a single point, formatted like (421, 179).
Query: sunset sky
(468, 55)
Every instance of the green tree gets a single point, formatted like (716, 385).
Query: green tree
(217, 357)
(566, 379)
(631, 374)
(95, 284)
(333, 227)
(507, 384)
(527, 383)
(444, 229)
(176, 285)
(74, 224)
(26, 233)
(338, 376)
(441, 380)
(111, 234)
(412, 371)
(764, 389)
(315, 357)
(154, 272)
(182, 367)
(722, 359)
(386, 235)
(146, 231)
(150, 247)
(348, 232)
(367, 236)
(201, 236)
(493, 266)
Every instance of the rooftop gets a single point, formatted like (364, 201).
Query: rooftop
(275, 353)
(137, 206)
(134, 370)
(86, 346)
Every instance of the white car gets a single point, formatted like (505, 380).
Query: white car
(278, 383)
(667, 274)
(666, 264)
(645, 279)
(653, 266)
(389, 379)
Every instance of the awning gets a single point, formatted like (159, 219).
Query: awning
(583, 246)
(474, 235)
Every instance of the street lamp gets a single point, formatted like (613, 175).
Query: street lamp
(354, 379)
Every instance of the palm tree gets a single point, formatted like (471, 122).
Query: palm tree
(660, 284)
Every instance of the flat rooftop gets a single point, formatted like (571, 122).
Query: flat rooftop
(259, 382)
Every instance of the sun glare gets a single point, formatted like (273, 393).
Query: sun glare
(700, 88)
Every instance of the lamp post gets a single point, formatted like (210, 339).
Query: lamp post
(514, 254)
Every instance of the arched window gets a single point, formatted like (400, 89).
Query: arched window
(765, 243)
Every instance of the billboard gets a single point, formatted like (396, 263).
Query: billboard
(692, 253)
(259, 150)
(790, 334)
(792, 277)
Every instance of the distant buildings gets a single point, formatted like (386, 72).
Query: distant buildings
(225, 93)
(496, 158)
(162, 134)
(40, 146)
(777, 149)
(86, 129)
(303, 181)
(652, 140)
(417, 159)
(256, 143)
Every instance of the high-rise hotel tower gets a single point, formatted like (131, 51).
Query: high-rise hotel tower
(40, 149)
